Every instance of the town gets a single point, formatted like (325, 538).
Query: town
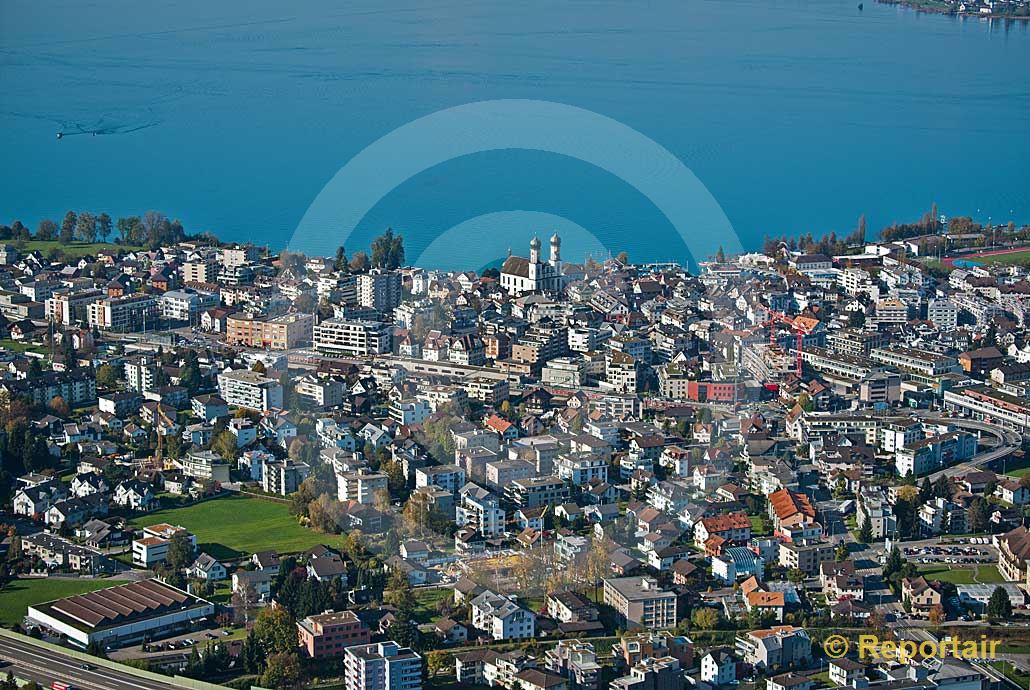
(227, 466)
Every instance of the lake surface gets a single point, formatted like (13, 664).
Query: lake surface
(798, 116)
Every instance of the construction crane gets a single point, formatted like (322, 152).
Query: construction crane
(801, 326)
(160, 416)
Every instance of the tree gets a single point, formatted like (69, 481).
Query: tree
(107, 376)
(400, 594)
(865, 535)
(282, 672)
(340, 264)
(999, 607)
(180, 552)
(893, 564)
(251, 654)
(104, 226)
(326, 514)
(388, 250)
(46, 230)
(59, 407)
(705, 618)
(224, 443)
(937, 615)
(436, 661)
(68, 227)
(275, 631)
(720, 255)
(86, 227)
(359, 263)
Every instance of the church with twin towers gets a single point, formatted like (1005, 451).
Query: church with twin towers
(521, 275)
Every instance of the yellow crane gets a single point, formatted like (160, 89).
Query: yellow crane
(160, 416)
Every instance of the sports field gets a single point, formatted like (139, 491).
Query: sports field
(233, 525)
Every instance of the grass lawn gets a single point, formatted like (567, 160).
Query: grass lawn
(1018, 677)
(1022, 258)
(759, 527)
(73, 249)
(956, 576)
(428, 599)
(18, 346)
(18, 595)
(1017, 468)
(988, 574)
(233, 526)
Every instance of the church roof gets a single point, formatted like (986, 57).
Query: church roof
(516, 266)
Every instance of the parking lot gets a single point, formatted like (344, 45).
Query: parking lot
(971, 551)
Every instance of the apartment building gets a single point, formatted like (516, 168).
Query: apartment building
(779, 646)
(353, 338)
(855, 342)
(581, 468)
(72, 308)
(250, 389)
(640, 602)
(361, 485)
(283, 477)
(185, 306)
(205, 464)
(537, 491)
(382, 666)
(201, 271)
(123, 314)
(379, 290)
(914, 361)
(502, 618)
(327, 635)
(943, 313)
(448, 477)
(320, 392)
(152, 547)
(282, 332)
(76, 386)
(480, 510)
(934, 452)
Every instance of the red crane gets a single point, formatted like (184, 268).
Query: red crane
(801, 325)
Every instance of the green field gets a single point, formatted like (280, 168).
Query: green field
(428, 599)
(957, 576)
(18, 595)
(1022, 258)
(233, 526)
(18, 346)
(988, 574)
(73, 249)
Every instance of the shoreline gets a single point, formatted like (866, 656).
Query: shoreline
(919, 6)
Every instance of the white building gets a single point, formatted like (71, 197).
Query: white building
(250, 389)
(520, 275)
(502, 618)
(353, 338)
(382, 666)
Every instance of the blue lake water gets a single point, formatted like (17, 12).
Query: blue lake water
(796, 115)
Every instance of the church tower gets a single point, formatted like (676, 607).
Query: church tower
(534, 263)
(555, 250)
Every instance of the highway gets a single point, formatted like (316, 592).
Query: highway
(32, 662)
(1008, 441)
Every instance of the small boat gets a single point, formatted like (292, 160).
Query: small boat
(60, 135)
(861, 6)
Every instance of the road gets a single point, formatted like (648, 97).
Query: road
(44, 666)
(1008, 441)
